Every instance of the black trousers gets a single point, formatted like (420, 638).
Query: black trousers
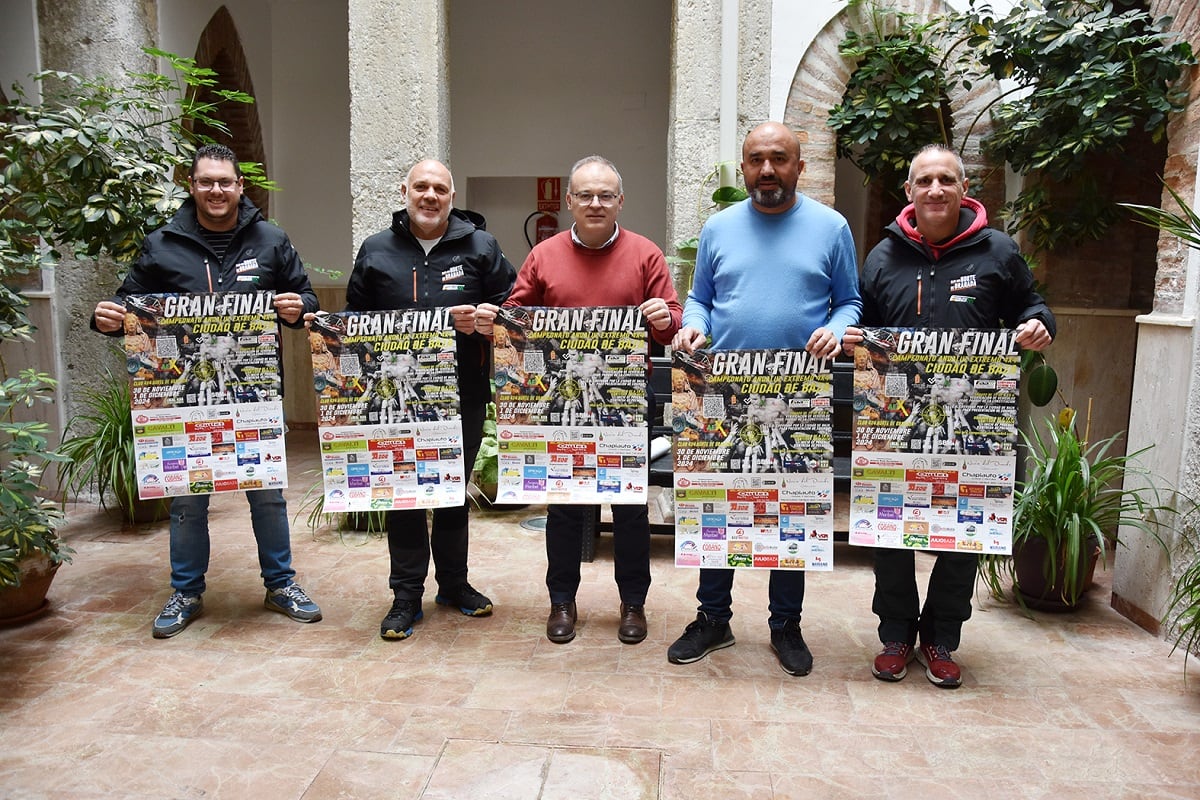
(947, 600)
(410, 540)
(631, 550)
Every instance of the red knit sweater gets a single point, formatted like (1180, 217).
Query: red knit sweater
(562, 274)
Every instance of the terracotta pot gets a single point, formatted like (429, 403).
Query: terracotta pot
(28, 601)
(1031, 583)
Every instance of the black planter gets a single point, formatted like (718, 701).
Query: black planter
(1029, 558)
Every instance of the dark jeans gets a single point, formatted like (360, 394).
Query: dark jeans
(631, 550)
(410, 540)
(947, 601)
(786, 593)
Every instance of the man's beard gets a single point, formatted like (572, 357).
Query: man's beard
(772, 198)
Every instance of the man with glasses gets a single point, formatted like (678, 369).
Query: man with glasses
(434, 256)
(219, 241)
(596, 263)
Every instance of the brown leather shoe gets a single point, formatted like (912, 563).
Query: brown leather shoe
(633, 624)
(560, 625)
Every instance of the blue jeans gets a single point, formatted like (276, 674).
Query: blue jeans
(190, 543)
(785, 591)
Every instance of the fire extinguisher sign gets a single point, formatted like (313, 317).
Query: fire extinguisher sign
(549, 194)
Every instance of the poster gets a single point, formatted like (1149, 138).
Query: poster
(571, 407)
(935, 433)
(753, 444)
(388, 417)
(205, 393)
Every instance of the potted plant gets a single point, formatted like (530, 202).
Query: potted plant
(99, 442)
(312, 508)
(30, 548)
(1066, 514)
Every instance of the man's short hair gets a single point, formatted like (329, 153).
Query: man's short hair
(596, 160)
(217, 152)
(938, 147)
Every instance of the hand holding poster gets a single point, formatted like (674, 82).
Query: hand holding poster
(753, 443)
(571, 406)
(387, 409)
(205, 393)
(935, 432)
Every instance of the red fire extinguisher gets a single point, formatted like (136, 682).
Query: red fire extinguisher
(547, 226)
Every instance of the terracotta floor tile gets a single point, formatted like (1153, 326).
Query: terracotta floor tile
(261, 706)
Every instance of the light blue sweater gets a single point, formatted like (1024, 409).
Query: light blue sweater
(769, 280)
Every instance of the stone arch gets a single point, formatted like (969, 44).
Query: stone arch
(220, 49)
(820, 82)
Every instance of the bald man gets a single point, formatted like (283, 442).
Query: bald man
(788, 280)
(433, 256)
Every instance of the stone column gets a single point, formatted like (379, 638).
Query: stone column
(399, 101)
(94, 38)
(694, 124)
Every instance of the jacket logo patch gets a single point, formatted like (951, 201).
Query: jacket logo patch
(452, 273)
(246, 266)
(961, 298)
(965, 282)
(453, 287)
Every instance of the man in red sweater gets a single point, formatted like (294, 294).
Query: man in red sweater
(596, 263)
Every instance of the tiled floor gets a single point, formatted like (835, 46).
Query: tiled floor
(247, 704)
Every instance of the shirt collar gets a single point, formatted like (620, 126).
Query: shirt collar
(611, 239)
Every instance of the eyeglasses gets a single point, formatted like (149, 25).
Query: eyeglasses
(585, 198)
(208, 184)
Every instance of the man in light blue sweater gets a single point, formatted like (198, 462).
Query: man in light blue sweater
(777, 271)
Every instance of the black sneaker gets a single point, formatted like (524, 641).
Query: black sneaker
(177, 614)
(789, 646)
(699, 639)
(467, 600)
(292, 600)
(398, 624)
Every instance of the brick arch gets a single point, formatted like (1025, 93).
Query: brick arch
(1179, 169)
(820, 82)
(220, 49)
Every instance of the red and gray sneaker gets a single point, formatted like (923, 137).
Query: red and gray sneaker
(940, 668)
(892, 663)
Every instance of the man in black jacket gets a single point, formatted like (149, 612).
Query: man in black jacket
(434, 257)
(940, 266)
(219, 241)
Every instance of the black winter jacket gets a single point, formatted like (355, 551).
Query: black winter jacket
(175, 258)
(466, 266)
(977, 280)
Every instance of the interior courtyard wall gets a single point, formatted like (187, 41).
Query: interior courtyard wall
(1166, 398)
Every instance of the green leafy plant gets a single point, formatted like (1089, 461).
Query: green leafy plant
(1073, 500)
(311, 508)
(897, 94)
(28, 520)
(1080, 76)
(100, 445)
(1183, 613)
(86, 171)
